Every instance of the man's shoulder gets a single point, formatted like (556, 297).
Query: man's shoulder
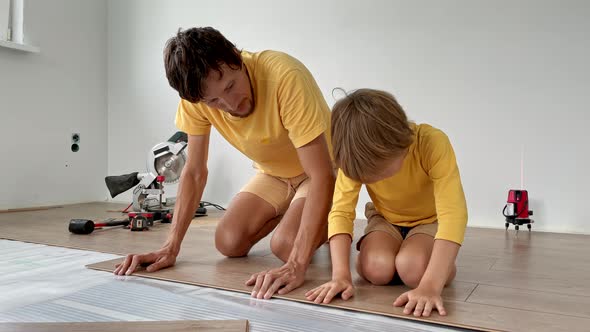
(275, 62)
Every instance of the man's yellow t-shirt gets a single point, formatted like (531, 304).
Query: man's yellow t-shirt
(427, 188)
(289, 112)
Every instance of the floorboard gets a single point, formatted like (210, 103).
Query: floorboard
(506, 280)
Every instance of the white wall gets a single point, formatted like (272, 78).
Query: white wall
(46, 97)
(491, 74)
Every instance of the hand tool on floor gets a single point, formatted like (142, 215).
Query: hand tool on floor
(134, 222)
(86, 226)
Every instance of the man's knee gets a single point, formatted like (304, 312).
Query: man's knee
(231, 242)
(281, 244)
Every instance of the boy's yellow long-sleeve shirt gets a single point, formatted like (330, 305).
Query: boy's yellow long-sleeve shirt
(426, 189)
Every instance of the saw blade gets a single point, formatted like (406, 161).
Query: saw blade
(170, 166)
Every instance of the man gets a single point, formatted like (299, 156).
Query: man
(269, 107)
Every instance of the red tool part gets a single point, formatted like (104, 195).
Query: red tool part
(520, 201)
(517, 210)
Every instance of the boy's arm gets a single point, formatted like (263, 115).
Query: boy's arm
(440, 164)
(426, 297)
(341, 224)
(440, 266)
(343, 212)
(340, 254)
(341, 282)
(451, 209)
(340, 232)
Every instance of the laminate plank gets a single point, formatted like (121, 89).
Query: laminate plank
(537, 301)
(579, 285)
(500, 243)
(482, 263)
(370, 298)
(565, 268)
(524, 281)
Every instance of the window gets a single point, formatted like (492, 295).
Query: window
(11, 26)
(4, 19)
(11, 21)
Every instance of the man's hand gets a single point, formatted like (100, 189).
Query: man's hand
(421, 301)
(326, 292)
(266, 283)
(155, 260)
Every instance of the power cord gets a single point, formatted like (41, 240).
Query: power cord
(218, 207)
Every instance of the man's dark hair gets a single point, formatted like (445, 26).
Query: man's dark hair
(192, 54)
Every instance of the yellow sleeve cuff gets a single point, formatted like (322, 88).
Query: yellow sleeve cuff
(194, 131)
(190, 120)
(340, 225)
(313, 134)
(453, 231)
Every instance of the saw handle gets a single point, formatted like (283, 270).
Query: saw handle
(179, 136)
(121, 183)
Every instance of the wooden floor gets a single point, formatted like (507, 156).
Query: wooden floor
(172, 326)
(506, 281)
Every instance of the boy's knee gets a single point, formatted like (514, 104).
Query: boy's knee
(377, 269)
(411, 268)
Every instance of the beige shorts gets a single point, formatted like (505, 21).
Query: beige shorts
(278, 192)
(376, 222)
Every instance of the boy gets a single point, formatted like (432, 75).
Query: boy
(418, 215)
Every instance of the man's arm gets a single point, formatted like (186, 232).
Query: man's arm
(316, 162)
(190, 190)
(315, 159)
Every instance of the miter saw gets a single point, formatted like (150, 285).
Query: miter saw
(164, 165)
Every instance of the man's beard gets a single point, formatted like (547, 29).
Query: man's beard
(250, 111)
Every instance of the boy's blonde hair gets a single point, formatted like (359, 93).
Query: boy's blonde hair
(368, 128)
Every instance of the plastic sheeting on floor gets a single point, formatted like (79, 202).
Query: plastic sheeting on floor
(50, 284)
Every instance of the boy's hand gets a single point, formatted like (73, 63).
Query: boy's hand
(421, 301)
(326, 292)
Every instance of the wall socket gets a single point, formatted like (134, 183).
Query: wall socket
(75, 142)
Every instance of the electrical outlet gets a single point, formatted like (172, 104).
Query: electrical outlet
(75, 142)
